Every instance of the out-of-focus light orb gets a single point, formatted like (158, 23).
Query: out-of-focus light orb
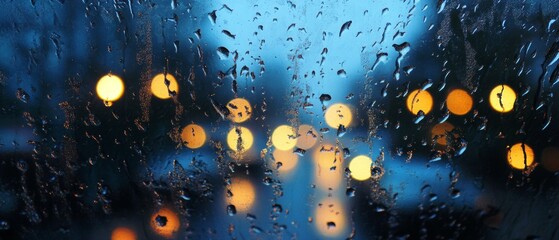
(243, 194)
(284, 137)
(441, 131)
(193, 136)
(239, 110)
(330, 217)
(459, 102)
(328, 167)
(123, 233)
(550, 159)
(159, 88)
(110, 88)
(360, 167)
(502, 98)
(165, 222)
(287, 158)
(517, 155)
(338, 114)
(419, 100)
(240, 139)
(307, 137)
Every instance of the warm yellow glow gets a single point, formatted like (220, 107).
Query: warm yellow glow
(459, 102)
(328, 170)
(419, 100)
(165, 222)
(159, 88)
(243, 194)
(284, 137)
(110, 88)
(287, 158)
(307, 137)
(441, 131)
(239, 139)
(360, 167)
(502, 98)
(330, 217)
(123, 233)
(193, 136)
(550, 159)
(517, 155)
(240, 110)
(338, 114)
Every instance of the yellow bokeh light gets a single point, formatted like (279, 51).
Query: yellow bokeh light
(330, 217)
(502, 98)
(288, 160)
(517, 155)
(123, 233)
(239, 110)
(307, 137)
(419, 100)
(239, 139)
(550, 159)
(165, 222)
(159, 88)
(284, 137)
(459, 102)
(440, 132)
(338, 114)
(110, 88)
(328, 171)
(360, 167)
(243, 194)
(193, 136)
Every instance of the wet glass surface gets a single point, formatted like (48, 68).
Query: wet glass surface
(139, 119)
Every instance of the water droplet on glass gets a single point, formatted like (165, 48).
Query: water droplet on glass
(213, 16)
(342, 73)
(223, 53)
(231, 210)
(344, 27)
(350, 192)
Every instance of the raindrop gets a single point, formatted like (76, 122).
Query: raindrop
(440, 5)
(350, 192)
(551, 22)
(344, 27)
(299, 151)
(213, 16)
(426, 84)
(420, 116)
(223, 53)
(382, 57)
(462, 145)
(455, 193)
(377, 172)
(346, 152)
(161, 221)
(342, 73)
(255, 229)
(277, 208)
(341, 130)
(229, 34)
(231, 210)
(433, 197)
(251, 217)
(22, 95)
(325, 98)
